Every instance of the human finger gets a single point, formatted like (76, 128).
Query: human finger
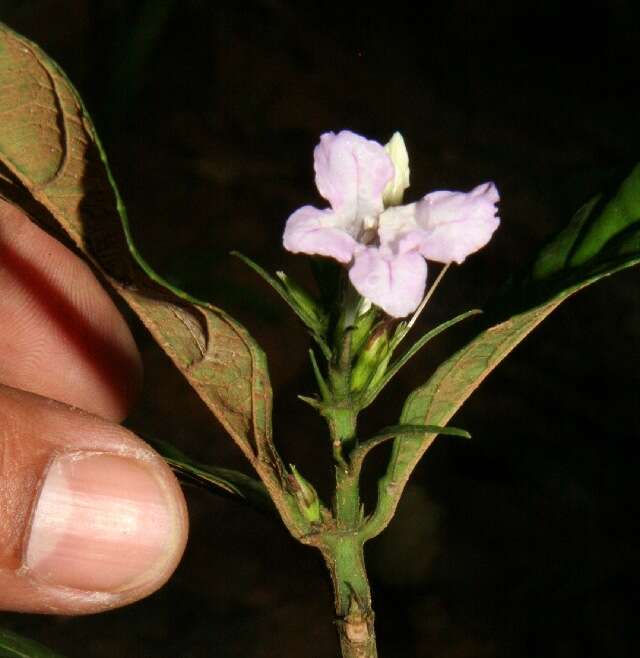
(91, 518)
(61, 335)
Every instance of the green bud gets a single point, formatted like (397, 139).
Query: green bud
(362, 329)
(374, 354)
(380, 370)
(306, 496)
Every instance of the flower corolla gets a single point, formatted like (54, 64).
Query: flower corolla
(383, 243)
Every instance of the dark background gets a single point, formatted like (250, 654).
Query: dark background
(518, 544)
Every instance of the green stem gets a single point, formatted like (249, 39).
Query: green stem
(340, 541)
(347, 500)
(343, 555)
(342, 548)
(342, 430)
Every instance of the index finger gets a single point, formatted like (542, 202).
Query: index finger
(61, 335)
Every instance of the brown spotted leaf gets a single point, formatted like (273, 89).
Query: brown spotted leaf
(52, 164)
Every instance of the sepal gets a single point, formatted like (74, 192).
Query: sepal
(301, 302)
(307, 305)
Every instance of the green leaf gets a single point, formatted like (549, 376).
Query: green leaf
(14, 646)
(416, 430)
(215, 478)
(602, 238)
(52, 165)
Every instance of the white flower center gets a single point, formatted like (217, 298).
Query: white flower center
(368, 230)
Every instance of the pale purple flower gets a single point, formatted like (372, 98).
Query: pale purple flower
(394, 282)
(351, 174)
(386, 248)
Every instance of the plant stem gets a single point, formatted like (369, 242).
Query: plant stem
(342, 428)
(347, 500)
(344, 558)
(342, 548)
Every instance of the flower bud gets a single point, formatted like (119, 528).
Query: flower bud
(362, 329)
(306, 496)
(394, 191)
(375, 353)
(380, 371)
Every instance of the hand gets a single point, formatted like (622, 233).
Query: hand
(91, 518)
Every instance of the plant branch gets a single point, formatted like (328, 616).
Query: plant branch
(400, 431)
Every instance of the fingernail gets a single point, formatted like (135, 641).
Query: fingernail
(102, 523)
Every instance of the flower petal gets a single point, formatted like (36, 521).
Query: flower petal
(453, 225)
(395, 223)
(393, 282)
(310, 230)
(351, 173)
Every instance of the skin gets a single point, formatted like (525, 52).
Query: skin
(69, 373)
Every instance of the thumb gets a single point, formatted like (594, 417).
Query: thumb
(91, 518)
